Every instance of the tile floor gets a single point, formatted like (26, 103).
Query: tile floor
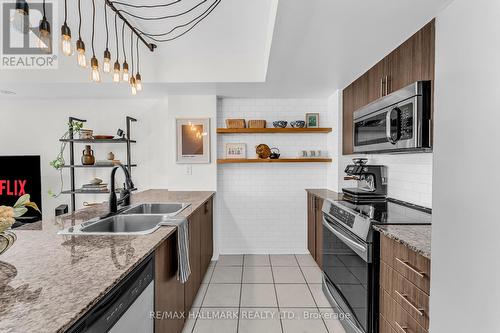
(262, 293)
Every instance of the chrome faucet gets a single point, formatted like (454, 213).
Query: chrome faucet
(125, 193)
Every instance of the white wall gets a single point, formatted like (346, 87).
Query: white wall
(465, 277)
(203, 176)
(262, 208)
(33, 127)
(409, 175)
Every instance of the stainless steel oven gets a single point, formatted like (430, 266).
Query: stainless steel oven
(349, 274)
(398, 122)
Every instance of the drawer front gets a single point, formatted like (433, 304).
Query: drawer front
(384, 326)
(402, 322)
(386, 276)
(411, 299)
(408, 263)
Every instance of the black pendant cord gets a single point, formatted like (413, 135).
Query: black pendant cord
(93, 26)
(138, 59)
(215, 4)
(116, 35)
(80, 19)
(161, 17)
(123, 42)
(44, 17)
(132, 51)
(106, 22)
(65, 11)
(145, 6)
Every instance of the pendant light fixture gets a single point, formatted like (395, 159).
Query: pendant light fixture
(125, 74)
(133, 86)
(116, 67)
(44, 37)
(94, 64)
(80, 45)
(66, 33)
(106, 65)
(138, 79)
(20, 19)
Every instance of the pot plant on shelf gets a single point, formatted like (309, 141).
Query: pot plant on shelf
(8, 217)
(73, 128)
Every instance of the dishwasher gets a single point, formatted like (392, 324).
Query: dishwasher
(126, 308)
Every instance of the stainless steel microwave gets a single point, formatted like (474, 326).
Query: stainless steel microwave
(399, 122)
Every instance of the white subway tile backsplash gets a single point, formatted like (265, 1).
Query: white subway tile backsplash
(262, 208)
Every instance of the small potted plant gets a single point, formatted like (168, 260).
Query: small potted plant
(8, 217)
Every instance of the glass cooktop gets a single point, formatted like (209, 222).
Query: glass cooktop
(391, 211)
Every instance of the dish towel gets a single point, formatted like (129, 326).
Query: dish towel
(183, 267)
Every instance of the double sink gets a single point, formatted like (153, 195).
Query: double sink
(137, 220)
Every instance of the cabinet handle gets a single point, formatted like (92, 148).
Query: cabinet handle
(387, 85)
(403, 329)
(381, 86)
(411, 268)
(405, 298)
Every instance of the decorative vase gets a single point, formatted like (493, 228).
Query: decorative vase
(7, 239)
(88, 156)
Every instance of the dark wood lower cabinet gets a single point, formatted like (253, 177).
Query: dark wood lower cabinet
(169, 292)
(315, 228)
(171, 296)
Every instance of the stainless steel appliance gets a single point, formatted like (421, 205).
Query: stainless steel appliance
(127, 308)
(399, 122)
(371, 181)
(351, 256)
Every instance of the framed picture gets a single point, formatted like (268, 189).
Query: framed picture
(312, 120)
(236, 150)
(193, 140)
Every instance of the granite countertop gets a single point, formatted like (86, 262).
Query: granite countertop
(48, 281)
(415, 237)
(325, 194)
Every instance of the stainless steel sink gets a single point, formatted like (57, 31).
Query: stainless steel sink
(118, 225)
(166, 209)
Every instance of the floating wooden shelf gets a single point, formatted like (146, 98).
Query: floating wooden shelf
(274, 130)
(280, 160)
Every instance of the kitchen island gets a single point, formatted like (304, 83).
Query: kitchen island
(48, 281)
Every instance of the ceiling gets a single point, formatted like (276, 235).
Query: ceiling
(257, 48)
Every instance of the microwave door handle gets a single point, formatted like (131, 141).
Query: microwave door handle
(344, 238)
(388, 133)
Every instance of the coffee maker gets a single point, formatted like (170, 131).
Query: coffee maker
(371, 182)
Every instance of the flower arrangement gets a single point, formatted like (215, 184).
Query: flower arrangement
(8, 214)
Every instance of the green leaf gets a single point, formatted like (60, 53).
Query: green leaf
(22, 200)
(20, 211)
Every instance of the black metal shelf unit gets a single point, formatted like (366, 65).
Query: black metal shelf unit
(72, 166)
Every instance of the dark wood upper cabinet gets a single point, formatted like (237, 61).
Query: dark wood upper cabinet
(412, 61)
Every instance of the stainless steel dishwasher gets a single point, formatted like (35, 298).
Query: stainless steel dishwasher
(126, 308)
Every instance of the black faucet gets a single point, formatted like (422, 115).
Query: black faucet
(124, 193)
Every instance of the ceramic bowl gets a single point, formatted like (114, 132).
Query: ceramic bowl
(280, 123)
(298, 124)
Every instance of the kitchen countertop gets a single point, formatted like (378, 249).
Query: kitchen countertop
(48, 281)
(415, 237)
(325, 194)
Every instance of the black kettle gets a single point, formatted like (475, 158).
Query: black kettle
(275, 154)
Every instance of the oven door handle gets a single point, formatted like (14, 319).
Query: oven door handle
(345, 238)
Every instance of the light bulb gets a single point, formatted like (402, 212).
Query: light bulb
(116, 72)
(96, 76)
(133, 86)
(44, 38)
(138, 82)
(106, 65)
(125, 75)
(66, 40)
(20, 19)
(80, 48)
